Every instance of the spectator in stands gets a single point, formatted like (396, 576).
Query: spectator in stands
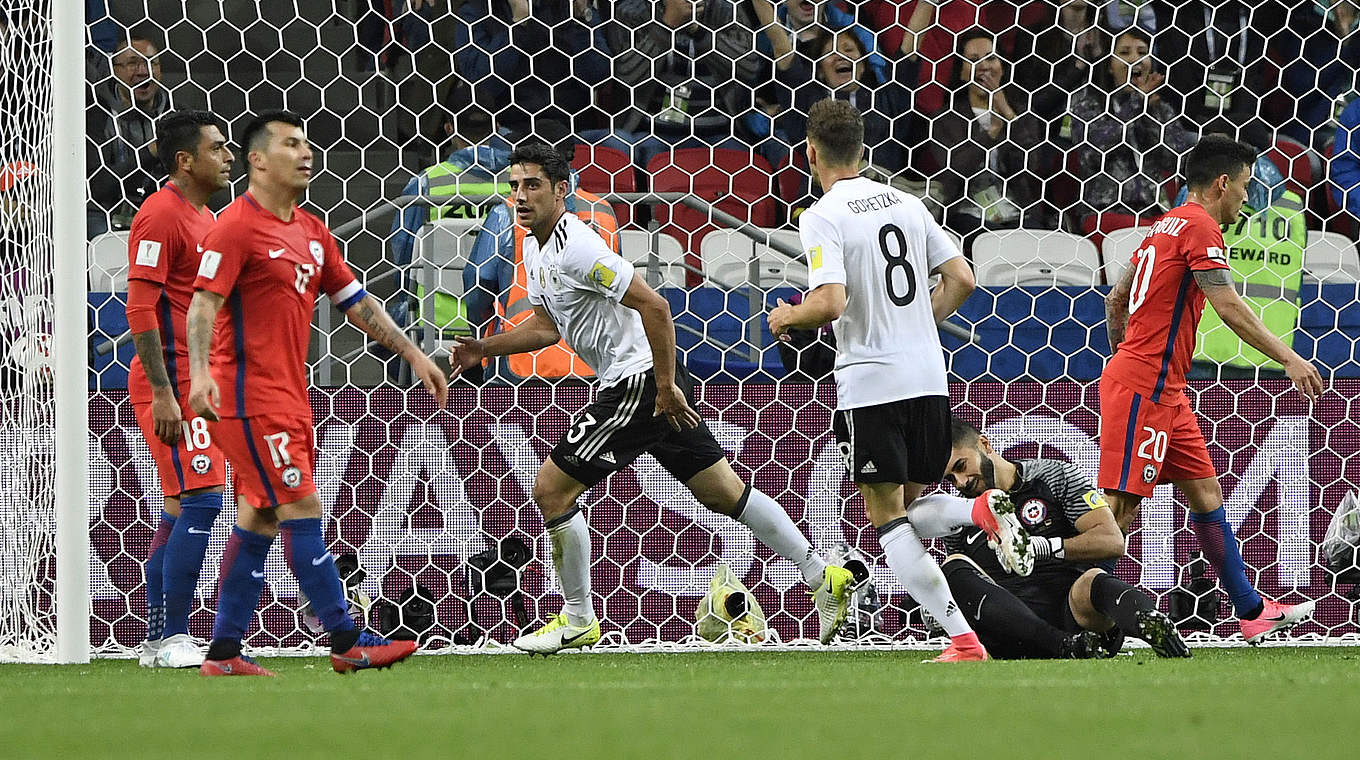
(1218, 71)
(1129, 139)
(1119, 15)
(1060, 60)
(1344, 169)
(985, 141)
(843, 72)
(546, 52)
(388, 30)
(121, 160)
(691, 68)
(1324, 56)
(798, 37)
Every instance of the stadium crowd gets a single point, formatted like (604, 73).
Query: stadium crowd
(1037, 114)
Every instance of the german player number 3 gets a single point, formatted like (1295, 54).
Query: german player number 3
(895, 260)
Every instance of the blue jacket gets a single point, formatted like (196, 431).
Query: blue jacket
(1344, 171)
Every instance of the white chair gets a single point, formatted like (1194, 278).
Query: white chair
(108, 262)
(443, 249)
(636, 247)
(727, 255)
(1035, 257)
(1331, 257)
(1118, 249)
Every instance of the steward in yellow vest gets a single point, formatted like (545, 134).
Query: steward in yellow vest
(1265, 252)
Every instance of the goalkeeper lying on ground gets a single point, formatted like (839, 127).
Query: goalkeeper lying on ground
(1069, 606)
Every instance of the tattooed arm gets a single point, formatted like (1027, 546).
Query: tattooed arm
(204, 395)
(368, 315)
(1217, 285)
(146, 336)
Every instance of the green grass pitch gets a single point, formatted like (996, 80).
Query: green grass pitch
(1237, 703)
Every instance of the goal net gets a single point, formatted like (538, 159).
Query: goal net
(1046, 137)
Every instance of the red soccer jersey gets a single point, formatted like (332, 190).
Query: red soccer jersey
(1165, 302)
(270, 272)
(163, 250)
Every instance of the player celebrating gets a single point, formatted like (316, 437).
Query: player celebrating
(622, 329)
(1073, 534)
(870, 249)
(1148, 433)
(267, 259)
(162, 262)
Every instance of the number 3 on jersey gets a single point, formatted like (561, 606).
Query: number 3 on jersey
(896, 255)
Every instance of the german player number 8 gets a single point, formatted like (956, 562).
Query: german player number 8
(895, 260)
(1154, 446)
(1142, 276)
(196, 435)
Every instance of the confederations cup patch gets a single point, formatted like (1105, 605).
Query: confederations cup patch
(1033, 512)
(292, 477)
(201, 463)
(1149, 473)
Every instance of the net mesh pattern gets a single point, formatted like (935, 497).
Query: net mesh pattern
(1042, 139)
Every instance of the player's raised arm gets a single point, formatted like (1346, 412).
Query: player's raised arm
(1117, 309)
(956, 284)
(538, 331)
(204, 396)
(368, 315)
(1218, 288)
(660, 330)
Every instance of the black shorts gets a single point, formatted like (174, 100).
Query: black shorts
(905, 441)
(1048, 592)
(619, 426)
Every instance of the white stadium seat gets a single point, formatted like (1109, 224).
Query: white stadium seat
(108, 262)
(1035, 257)
(636, 247)
(1118, 249)
(443, 249)
(726, 256)
(1331, 257)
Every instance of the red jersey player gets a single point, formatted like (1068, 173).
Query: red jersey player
(266, 260)
(1148, 433)
(162, 261)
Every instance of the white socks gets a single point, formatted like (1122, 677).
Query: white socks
(940, 515)
(571, 556)
(920, 576)
(772, 525)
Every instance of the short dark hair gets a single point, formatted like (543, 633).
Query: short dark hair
(965, 37)
(143, 32)
(837, 129)
(257, 129)
(1213, 156)
(1102, 74)
(554, 164)
(963, 433)
(180, 131)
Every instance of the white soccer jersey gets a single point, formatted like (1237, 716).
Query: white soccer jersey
(881, 244)
(580, 282)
